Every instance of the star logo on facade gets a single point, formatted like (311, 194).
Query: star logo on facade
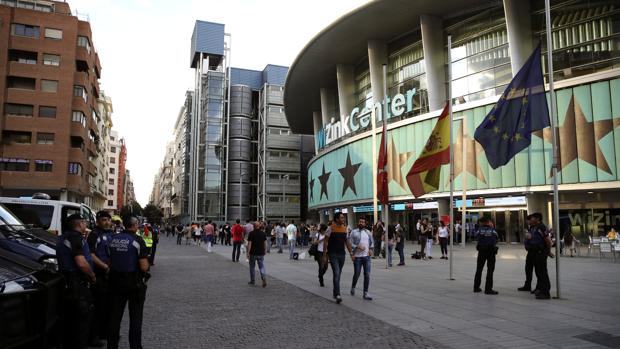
(323, 178)
(348, 174)
(578, 138)
(311, 182)
(471, 152)
(396, 161)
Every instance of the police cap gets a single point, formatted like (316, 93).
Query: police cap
(103, 214)
(74, 217)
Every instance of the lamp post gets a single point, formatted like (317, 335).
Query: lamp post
(284, 197)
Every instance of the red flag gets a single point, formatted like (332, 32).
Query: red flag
(382, 175)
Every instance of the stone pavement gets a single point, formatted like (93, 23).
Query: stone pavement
(200, 300)
(419, 298)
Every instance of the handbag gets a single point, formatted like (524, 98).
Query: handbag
(313, 250)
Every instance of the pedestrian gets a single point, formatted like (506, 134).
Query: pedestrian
(248, 227)
(336, 241)
(256, 253)
(268, 235)
(377, 233)
(179, 232)
(237, 240)
(389, 243)
(569, 242)
(75, 263)
(305, 234)
(319, 241)
(228, 233)
(209, 235)
(443, 239)
(424, 236)
(145, 233)
(188, 233)
(362, 245)
(197, 234)
(487, 249)
(457, 232)
(291, 232)
(222, 234)
(155, 238)
(540, 243)
(529, 259)
(400, 243)
(98, 242)
(128, 274)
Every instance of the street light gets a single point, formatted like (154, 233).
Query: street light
(284, 197)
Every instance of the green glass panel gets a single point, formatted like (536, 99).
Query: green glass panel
(495, 175)
(615, 112)
(569, 167)
(603, 131)
(586, 144)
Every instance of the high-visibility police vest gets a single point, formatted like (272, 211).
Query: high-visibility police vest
(148, 238)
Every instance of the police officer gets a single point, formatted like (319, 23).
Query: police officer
(98, 241)
(529, 259)
(127, 281)
(76, 265)
(540, 244)
(487, 249)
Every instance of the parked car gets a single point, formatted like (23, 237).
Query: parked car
(45, 213)
(29, 302)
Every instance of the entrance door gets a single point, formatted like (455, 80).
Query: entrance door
(500, 224)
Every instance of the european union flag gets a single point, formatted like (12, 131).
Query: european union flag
(521, 109)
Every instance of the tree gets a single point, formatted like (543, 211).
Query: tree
(133, 209)
(152, 214)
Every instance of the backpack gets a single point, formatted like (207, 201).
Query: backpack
(416, 255)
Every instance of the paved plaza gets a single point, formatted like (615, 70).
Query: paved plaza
(197, 299)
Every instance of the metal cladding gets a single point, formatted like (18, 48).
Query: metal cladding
(234, 191)
(240, 151)
(240, 100)
(240, 127)
(235, 168)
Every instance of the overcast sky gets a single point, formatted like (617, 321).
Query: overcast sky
(144, 49)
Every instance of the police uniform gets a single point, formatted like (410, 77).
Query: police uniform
(529, 262)
(487, 241)
(538, 246)
(98, 242)
(127, 284)
(77, 299)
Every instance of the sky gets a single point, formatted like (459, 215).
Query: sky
(144, 47)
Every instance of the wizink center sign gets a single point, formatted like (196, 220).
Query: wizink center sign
(361, 119)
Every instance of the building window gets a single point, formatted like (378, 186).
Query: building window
(112, 160)
(18, 109)
(21, 82)
(112, 138)
(112, 150)
(43, 165)
(83, 41)
(80, 91)
(77, 142)
(18, 137)
(25, 57)
(111, 181)
(47, 112)
(75, 168)
(78, 116)
(49, 86)
(51, 59)
(112, 170)
(110, 202)
(31, 31)
(12, 164)
(45, 138)
(51, 33)
(110, 191)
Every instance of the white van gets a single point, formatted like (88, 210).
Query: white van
(47, 214)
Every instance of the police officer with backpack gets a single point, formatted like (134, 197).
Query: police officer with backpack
(539, 243)
(128, 275)
(98, 242)
(76, 265)
(487, 249)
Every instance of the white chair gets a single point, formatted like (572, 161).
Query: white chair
(615, 248)
(594, 243)
(606, 247)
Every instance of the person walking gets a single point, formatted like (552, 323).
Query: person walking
(256, 253)
(237, 240)
(335, 243)
(424, 236)
(319, 241)
(222, 234)
(269, 232)
(540, 243)
(389, 243)
(280, 236)
(128, 274)
(188, 233)
(487, 249)
(98, 242)
(443, 239)
(179, 233)
(529, 259)
(75, 263)
(291, 233)
(209, 235)
(228, 233)
(400, 243)
(362, 245)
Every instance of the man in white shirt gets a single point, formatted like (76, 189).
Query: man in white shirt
(291, 232)
(362, 245)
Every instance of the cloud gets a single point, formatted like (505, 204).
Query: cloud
(144, 50)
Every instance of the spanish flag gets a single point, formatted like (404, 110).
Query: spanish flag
(423, 177)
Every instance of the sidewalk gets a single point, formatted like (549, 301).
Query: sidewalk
(419, 298)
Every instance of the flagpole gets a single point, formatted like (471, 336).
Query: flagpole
(554, 166)
(374, 167)
(451, 226)
(386, 206)
(463, 183)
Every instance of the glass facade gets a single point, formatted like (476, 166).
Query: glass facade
(406, 71)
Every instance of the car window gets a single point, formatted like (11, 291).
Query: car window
(39, 216)
(88, 215)
(7, 218)
(65, 213)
